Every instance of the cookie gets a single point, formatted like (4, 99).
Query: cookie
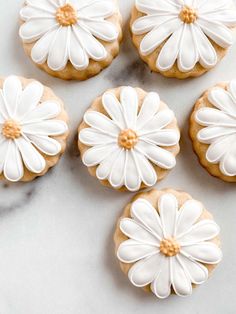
(33, 129)
(183, 38)
(129, 139)
(71, 39)
(213, 130)
(167, 242)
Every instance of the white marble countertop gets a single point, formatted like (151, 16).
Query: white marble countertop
(56, 233)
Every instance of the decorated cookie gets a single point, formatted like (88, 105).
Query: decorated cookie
(213, 130)
(183, 38)
(33, 129)
(71, 39)
(167, 242)
(129, 138)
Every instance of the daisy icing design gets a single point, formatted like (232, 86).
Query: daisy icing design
(26, 127)
(127, 143)
(186, 30)
(219, 128)
(68, 30)
(168, 248)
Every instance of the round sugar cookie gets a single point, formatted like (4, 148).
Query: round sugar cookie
(71, 39)
(33, 129)
(167, 242)
(183, 38)
(213, 130)
(129, 138)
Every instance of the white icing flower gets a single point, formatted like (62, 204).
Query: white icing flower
(26, 124)
(170, 248)
(220, 128)
(184, 28)
(126, 144)
(67, 30)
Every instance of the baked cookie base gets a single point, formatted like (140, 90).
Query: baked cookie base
(97, 106)
(200, 148)
(152, 196)
(51, 161)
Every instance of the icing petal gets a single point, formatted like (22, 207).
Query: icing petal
(152, 7)
(222, 100)
(168, 207)
(42, 11)
(113, 108)
(132, 177)
(104, 169)
(13, 167)
(202, 231)
(44, 111)
(146, 214)
(219, 33)
(209, 134)
(146, 23)
(207, 54)
(44, 4)
(3, 151)
(33, 29)
(101, 122)
(47, 127)
(101, 29)
(91, 137)
(93, 47)
(3, 109)
(33, 160)
(129, 103)
(189, 213)
(196, 271)
(116, 177)
(169, 51)
(228, 164)
(218, 149)
(157, 155)
(210, 116)
(232, 89)
(205, 252)
(45, 144)
(131, 251)
(58, 52)
(96, 154)
(159, 121)
(179, 278)
(77, 55)
(150, 107)
(12, 90)
(136, 231)
(146, 170)
(165, 137)
(188, 54)
(40, 50)
(161, 285)
(97, 9)
(226, 17)
(144, 272)
(153, 39)
(29, 99)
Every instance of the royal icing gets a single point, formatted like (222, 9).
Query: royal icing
(125, 144)
(220, 128)
(26, 127)
(168, 248)
(68, 30)
(184, 28)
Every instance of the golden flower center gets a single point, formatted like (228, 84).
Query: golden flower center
(188, 15)
(127, 139)
(66, 15)
(11, 129)
(169, 247)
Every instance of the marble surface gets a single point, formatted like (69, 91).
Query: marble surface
(56, 233)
